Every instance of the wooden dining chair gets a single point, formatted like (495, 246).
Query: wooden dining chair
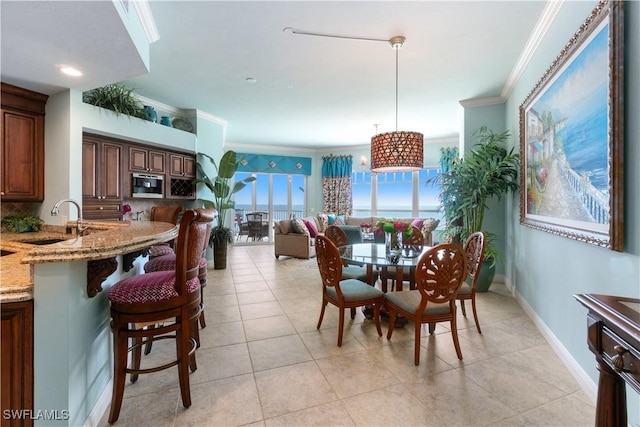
(154, 298)
(343, 293)
(351, 271)
(439, 274)
(474, 248)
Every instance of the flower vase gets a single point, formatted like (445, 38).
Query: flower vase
(393, 241)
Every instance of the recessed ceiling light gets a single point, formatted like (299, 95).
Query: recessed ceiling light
(70, 71)
(250, 80)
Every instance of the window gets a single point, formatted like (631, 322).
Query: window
(396, 194)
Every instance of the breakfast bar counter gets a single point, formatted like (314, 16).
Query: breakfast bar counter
(105, 240)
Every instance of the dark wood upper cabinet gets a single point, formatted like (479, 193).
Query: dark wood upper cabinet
(182, 165)
(101, 177)
(22, 129)
(145, 160)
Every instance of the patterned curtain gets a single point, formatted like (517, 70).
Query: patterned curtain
(336, 184)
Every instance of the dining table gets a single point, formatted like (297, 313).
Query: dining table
(371, 254)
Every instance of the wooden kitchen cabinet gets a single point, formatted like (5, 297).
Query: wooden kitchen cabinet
(16, 361)
(144, 160)
(182, 165)
(182, 170)
(101, 177)
(22, 130)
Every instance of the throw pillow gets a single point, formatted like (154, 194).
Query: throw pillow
(332, 218)
(417, 223)
(311, 226)
(339, 220)
(323, 222)
(285, 226)
(430, 224)
(298, 226)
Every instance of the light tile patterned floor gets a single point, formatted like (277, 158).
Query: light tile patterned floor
(262, 362)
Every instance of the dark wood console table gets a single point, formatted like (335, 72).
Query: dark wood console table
(613, 335)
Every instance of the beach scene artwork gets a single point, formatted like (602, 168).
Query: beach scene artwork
(567, 158)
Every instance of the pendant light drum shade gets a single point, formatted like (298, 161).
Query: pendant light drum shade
(397, 151)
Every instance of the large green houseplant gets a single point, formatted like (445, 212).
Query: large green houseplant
(220, 187)
(488, 170)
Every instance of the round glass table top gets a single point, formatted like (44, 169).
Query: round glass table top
(376, 254)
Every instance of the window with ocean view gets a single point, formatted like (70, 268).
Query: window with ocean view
(395, 194)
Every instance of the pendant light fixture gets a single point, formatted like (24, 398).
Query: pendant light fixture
(400, 150)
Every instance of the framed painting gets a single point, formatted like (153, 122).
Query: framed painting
(572, 134)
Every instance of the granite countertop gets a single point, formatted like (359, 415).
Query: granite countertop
(104, 240)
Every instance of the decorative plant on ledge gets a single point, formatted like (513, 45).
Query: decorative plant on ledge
(115, 98)
(487, 170)
(221, 235)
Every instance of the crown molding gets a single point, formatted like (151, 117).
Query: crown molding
(259, 148)
(146, 19)
(209, 117)
(482, 102)
(537, 35)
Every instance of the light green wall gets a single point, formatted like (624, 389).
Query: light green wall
(491, 116)
(547, 270)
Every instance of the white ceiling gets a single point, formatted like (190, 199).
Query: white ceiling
(309, 91)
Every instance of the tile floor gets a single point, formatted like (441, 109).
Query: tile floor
(263, 363)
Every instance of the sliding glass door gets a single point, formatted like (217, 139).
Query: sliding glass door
(276, 196)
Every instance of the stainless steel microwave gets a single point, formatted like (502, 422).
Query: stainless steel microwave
(147, 186)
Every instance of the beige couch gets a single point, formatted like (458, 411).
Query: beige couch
(289, 243)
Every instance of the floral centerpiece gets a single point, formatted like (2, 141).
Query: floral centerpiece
(385, 225)
(393, 230)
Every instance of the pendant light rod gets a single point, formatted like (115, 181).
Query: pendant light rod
(292, 30)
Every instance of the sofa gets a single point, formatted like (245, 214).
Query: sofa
(293, 239)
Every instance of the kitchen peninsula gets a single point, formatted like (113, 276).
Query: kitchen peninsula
(49, 272)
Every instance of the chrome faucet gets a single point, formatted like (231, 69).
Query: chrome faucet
(80, 227)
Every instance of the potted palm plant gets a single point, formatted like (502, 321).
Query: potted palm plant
(488, 170)
(220, 187)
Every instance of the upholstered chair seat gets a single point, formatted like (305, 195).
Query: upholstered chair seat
(149, 288)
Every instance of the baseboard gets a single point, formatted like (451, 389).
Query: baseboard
(100, 408)
(584, 380)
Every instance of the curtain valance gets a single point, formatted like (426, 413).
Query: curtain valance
(337, 166)
(270, 163)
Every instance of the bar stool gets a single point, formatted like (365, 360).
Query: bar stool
(170, 214)
(155, 298)
(168, 263)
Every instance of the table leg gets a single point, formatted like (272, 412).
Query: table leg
(611, 405)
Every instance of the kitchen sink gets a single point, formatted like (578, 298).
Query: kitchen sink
(43, 241)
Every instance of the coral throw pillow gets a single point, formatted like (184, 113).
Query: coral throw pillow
(418, 223)
(311, 226)
(298, 226)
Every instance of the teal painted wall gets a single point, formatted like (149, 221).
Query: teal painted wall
(547, 270)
